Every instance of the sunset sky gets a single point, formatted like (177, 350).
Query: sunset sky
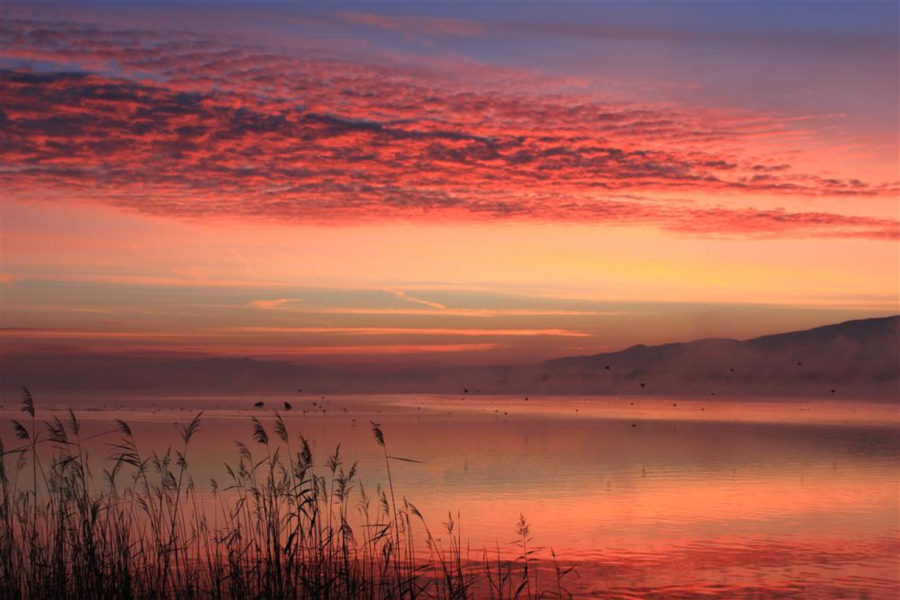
(425, 183)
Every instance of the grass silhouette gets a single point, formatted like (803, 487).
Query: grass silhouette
(276, 527)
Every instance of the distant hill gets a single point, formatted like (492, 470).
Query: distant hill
(860, 356)
(856, 359)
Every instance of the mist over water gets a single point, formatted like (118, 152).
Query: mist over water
(651, 498)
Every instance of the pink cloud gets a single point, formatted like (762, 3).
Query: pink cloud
(270, 304)
(419, 26)
(417, 331)
(192, 127)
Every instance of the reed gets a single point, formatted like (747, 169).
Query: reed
(275, 527)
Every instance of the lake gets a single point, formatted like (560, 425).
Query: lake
(649, 498)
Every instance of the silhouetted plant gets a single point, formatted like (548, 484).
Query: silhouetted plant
(274, 529)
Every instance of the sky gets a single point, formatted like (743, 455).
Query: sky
(425, 183)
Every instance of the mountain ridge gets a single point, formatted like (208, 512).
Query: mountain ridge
(858, 358)
(863, 352)
(892, 321)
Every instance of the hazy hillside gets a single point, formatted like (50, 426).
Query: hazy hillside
(856, 358)
(861, 357)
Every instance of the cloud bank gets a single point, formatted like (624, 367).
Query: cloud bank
(184, 125)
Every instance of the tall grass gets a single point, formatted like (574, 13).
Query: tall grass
(276, 526)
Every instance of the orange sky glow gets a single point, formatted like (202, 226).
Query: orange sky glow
(275, 191)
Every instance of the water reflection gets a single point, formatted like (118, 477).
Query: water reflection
(653, 499)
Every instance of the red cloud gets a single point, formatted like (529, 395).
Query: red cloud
(190, 126)
(421, 26)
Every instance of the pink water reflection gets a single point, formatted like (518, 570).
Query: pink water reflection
(653, 499)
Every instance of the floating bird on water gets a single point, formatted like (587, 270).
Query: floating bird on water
(287, 406)
(643, 385)
(799, 364)
(607, 367)
(465, 390)
(259, 404)
(833, 391)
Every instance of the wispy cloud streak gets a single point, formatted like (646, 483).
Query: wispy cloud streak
(404, 296)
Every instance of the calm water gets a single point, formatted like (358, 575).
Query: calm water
(651, 498)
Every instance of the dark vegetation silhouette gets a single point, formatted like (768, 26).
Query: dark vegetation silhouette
(276, 527)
